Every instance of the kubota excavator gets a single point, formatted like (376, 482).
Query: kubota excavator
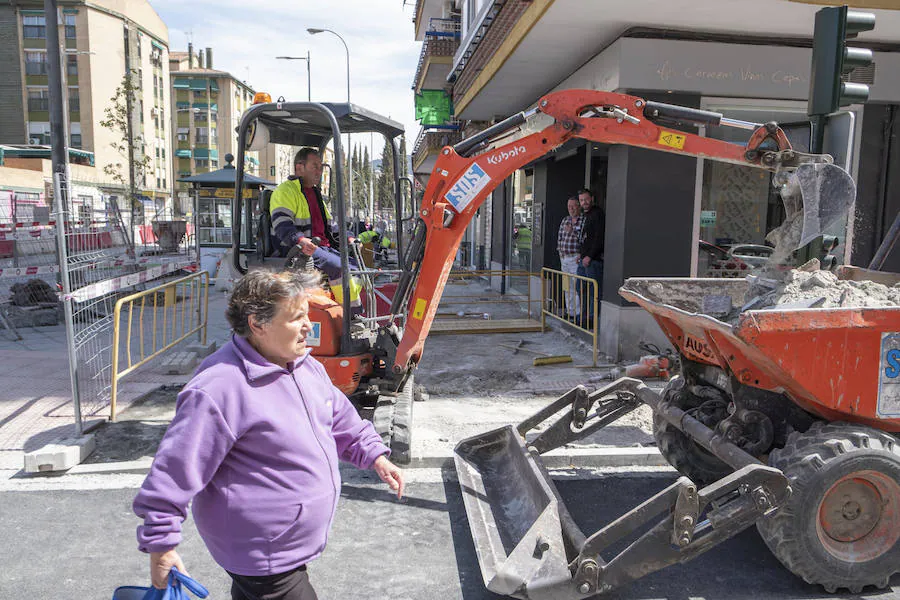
(740, 401)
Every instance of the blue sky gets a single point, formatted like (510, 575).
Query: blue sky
(247, 36)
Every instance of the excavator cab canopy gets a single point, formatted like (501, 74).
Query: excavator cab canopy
(307, 124)
(311, 124)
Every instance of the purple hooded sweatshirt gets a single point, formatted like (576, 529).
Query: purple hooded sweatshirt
(256, 446)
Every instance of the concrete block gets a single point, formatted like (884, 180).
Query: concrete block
(61, 455)
(201, 350)
(180, 363)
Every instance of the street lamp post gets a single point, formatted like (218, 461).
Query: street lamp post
(308, 75)
(317, 30)
(314, 31)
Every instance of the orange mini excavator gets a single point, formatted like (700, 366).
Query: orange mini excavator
(372, 359)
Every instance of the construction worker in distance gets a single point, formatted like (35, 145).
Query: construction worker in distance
(299, 214)
(380, 242)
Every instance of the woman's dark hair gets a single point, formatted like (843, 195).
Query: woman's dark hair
(258, 293)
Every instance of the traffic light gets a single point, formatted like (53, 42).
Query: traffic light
(832, 58)
(826, 244)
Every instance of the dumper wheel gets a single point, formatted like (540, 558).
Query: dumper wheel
(689, 458)
(841, 526)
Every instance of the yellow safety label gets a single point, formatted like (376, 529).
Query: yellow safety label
(419, 310)
(672, 139)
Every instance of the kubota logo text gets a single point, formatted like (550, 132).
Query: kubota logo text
(500, 157)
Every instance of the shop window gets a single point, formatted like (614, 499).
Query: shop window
(739, 206)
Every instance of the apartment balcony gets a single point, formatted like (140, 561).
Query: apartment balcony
(425, 11)
(435, 60)
(429, 144)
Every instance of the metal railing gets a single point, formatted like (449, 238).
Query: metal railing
(573, 300)
(432, 139)
(160, 326)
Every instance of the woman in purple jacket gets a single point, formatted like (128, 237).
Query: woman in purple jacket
(255, 443)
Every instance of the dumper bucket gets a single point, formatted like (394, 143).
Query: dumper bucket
(827, 192)
(514, 515)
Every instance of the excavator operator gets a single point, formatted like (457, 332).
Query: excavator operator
(299, 214)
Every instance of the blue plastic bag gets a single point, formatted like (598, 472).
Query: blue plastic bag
(173, 591)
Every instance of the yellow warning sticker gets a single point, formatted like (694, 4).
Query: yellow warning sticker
(419, 310)
(672, 139)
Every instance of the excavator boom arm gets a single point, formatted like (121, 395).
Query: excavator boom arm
(459, 183)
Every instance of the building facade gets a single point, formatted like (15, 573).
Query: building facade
(208, 107)
(750, 62)
(102, 41)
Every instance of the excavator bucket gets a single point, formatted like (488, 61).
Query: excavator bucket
(827, 192)
(528, 544)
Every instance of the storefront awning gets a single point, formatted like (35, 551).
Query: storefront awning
(213, 154)
(214, 107)
(198, 85)
(183, 153)
(201, 153)
(202, 105)
(213, 85)
(181, 83)
(182, 105)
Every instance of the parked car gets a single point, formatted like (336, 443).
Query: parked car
(714, 261)
(754, 255)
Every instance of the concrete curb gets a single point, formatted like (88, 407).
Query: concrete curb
(557, 459)
(563, 458)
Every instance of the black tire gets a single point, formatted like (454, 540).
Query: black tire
(689, 458)
(846, 484)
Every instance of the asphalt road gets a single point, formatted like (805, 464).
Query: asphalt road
(79, 544)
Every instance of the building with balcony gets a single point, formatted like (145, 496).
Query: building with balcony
(208, 104)
(747, 60)
(102, 41)
(440, 36)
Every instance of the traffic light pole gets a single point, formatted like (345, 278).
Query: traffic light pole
(831, 59)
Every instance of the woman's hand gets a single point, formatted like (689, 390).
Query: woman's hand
(390, 473)
(160, 565)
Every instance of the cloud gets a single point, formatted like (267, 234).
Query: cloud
(246, 38)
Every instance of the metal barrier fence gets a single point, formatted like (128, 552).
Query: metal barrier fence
(507, 294)
(103, 251)
(573, 300)
(160, 324)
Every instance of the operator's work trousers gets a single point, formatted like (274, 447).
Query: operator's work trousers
(328, 260)
(292, 585)
(595, 271)
(570, 266)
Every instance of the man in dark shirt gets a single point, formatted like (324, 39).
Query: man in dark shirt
(590, 262)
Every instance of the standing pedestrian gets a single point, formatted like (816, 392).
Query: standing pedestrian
(593, 234)
(568, 246)
(255, 444)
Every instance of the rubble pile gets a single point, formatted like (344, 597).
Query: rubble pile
(820, 289)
